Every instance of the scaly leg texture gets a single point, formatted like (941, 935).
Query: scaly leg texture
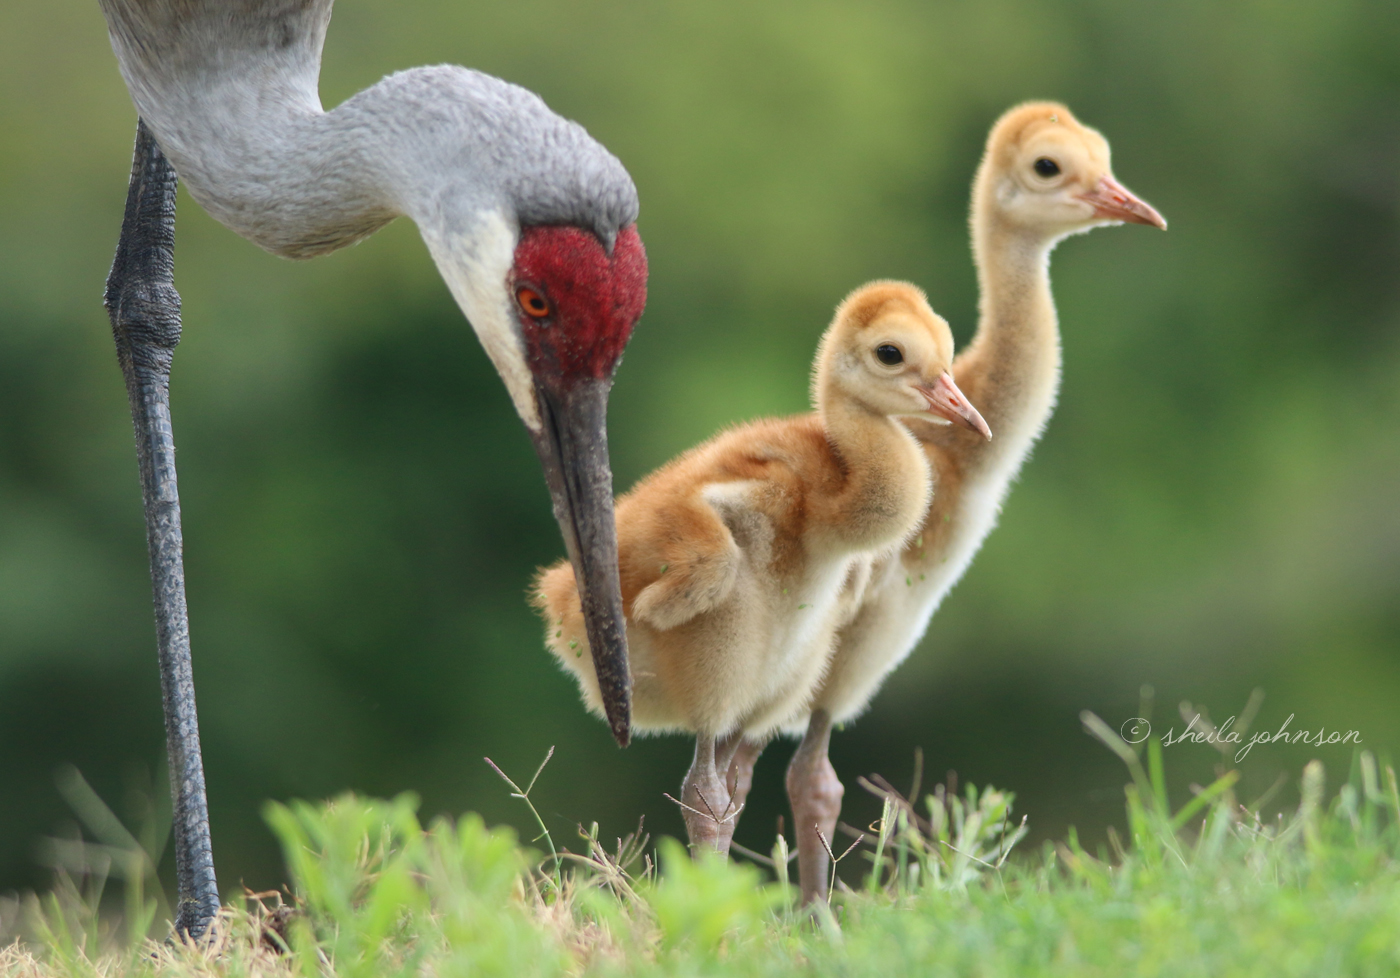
(815, 792)
(737, 756)
(145, 312)
(707, 805)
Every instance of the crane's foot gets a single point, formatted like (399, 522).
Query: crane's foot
(815, 793)
(707, 804)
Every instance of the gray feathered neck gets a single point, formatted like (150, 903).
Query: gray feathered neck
(229, 87)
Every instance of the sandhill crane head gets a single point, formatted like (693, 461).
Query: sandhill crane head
(554, 306)
(1050, 174)
(532, 224)
(893, 354)
(574, 305)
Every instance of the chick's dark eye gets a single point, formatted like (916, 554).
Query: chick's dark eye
(889, 355)
(1046, 167)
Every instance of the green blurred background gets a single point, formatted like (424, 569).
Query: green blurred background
(1212, 509)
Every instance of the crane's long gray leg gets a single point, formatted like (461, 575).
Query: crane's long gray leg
(815, 792)
(145, 312)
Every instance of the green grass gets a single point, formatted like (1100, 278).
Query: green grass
(1209, 890)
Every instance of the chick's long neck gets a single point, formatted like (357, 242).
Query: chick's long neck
(1011, 370)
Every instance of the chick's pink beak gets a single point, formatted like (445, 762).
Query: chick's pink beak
(946, 401)
(1114, 202)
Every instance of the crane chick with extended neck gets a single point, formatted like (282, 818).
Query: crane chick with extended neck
(1044, 176)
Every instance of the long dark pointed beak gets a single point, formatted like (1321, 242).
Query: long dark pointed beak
(1115, 202)
(573, 447)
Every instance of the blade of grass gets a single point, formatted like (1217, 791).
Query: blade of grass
(1096, 728)
(1159, 780)
(524, 795)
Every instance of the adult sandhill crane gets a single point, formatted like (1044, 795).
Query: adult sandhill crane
(529, 220)
(1044, 176)
(740, 558)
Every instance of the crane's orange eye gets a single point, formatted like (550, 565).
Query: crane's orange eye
(535, 305)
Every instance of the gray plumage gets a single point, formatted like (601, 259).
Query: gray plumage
(229, 88)
(227, 93)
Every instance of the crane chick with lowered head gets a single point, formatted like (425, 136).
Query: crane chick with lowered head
(530, 221)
